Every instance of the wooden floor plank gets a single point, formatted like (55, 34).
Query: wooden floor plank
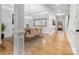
(57, 43)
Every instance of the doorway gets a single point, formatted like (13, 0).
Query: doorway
(60, 22)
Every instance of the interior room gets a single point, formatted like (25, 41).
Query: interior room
(39, 29)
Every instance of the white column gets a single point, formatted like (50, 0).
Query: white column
(18, 29)
(0, 23)
(66, 22)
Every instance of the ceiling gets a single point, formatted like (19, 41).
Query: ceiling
(34, 9)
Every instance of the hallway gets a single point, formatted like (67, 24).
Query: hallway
(39, 29)
(56, 44)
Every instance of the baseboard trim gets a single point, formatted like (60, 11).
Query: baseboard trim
(71, 44)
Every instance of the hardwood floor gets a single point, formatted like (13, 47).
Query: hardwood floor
(7, 47)
(56, 44)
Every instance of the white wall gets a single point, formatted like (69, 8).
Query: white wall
(66, 23)
(45, 29)
(49, 17)
(78, 17)
(28, 20)
(77, 29)
(51, 27)
(72, 37)
(7, 19)
(72, 20)
(71, 33)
